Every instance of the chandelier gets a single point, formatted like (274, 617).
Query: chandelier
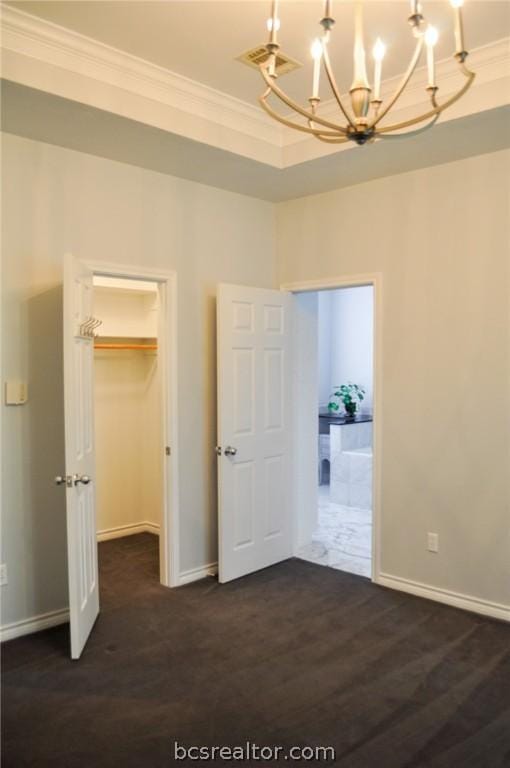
(363, 119)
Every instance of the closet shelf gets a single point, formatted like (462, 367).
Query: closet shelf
(108, 345)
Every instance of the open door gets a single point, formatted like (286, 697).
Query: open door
(79, 451)
(253, 450)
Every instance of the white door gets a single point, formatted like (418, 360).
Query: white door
(253, 429)
(79, 439)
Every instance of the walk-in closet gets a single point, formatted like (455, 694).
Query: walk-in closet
(128, 408)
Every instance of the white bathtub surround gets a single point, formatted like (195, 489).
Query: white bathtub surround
(351, 465)
(324, 455)
(343, 538)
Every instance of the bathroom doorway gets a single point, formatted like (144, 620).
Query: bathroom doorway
(335, 350)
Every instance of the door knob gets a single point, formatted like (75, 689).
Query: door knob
(230, 450)
(85, 479)
(64, 480)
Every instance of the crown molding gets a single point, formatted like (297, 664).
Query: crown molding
(37, 40)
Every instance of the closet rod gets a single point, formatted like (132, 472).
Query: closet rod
(125, 346)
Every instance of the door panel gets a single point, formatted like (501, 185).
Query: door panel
(274, 500)
(253, 419)
(80, 458)
(244, 481)
(273, 389)
(243, 380)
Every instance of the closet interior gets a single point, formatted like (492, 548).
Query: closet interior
(128, 408)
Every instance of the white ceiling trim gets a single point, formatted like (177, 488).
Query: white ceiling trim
(58, 47)
(46, 56)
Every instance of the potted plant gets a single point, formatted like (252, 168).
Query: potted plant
(351, 395)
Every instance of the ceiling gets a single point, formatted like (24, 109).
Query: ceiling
(73, 93)
(200, 39)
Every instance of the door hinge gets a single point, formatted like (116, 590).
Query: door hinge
(168, 450)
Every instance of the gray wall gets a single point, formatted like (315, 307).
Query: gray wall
(62, 201)
(440, 239)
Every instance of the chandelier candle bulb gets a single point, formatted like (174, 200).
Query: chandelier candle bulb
(378, 53)
(316, 51)
(459, 27)
(273, 23)
(431, 37)
(360, 71)
(269, 24)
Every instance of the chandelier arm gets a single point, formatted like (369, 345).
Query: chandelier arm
(402, 85)
(293, 105)
(343, 140)
(272, 113)
(436, 111)
(409, 133)
(325, 136)
(334, 87)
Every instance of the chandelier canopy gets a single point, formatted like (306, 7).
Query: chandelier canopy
(363, 119)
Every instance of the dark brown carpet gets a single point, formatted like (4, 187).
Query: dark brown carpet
(296, 654)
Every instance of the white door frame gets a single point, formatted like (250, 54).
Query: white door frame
(169, 530)
(356, 281)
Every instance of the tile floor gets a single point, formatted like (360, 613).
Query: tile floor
(343, 539)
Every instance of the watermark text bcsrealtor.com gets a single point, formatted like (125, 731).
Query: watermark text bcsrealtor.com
(253, 752)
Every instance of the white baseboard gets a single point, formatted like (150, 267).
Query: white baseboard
(195, 574)
(456, 599)
(51, 619)
(152, 528)
(127, 530)
(34, 624)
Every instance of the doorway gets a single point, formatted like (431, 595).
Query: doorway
(336, 350)
(80, 337)
(342, 538)
(128, 416)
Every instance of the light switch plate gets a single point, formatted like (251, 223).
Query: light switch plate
(16, 392)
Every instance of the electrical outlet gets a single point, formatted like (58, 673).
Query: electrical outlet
(3, 575)
(432, 542)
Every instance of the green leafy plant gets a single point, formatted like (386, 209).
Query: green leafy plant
(351, 395)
